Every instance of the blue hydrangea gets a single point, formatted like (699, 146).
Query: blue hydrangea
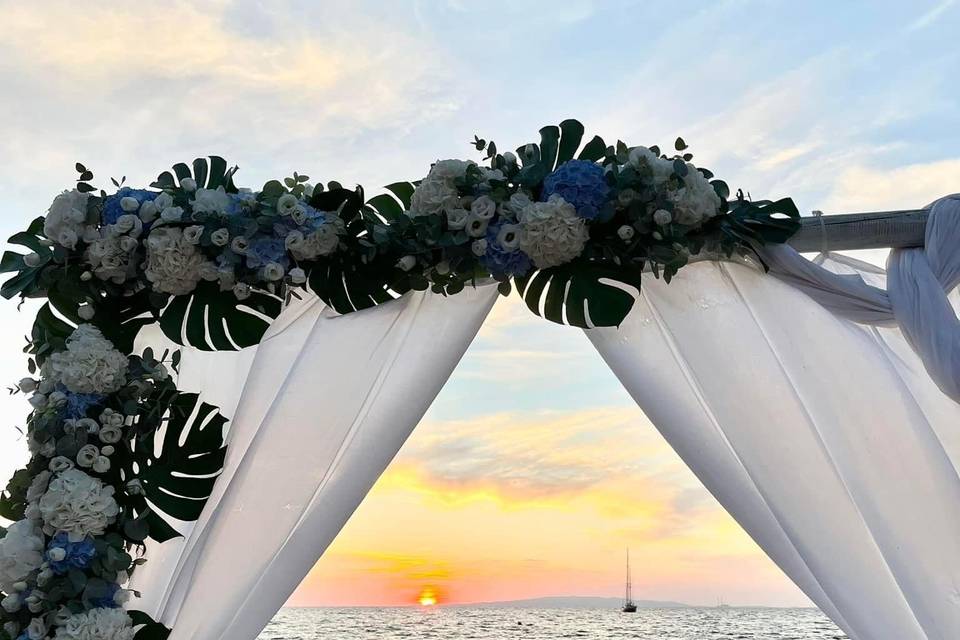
(500, 262)
(78, 554)
(108, 599)
(240, 202)
(78, 404)
(314, 220)
(580, 183)
(111, 206)
(267, 249)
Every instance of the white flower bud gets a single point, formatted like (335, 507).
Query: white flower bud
(101, 464)
(241, 290)
(626, 232)
(657, 235)
(188, 184)
(510, 158)
(108, 450)
(273, 271)
(148, 211)
(86, 276)
(239, 245)
(220, 237)
(38, 401)
(479, 247)
(129, 204)
(11, 604)
(662, 217)
(27, 385)
(298, 275)
(32, 259)
(193, 233)
(20, 586)
(86, 311)
(171, 214)
(443, 268)
(406, 263)
(57, 554)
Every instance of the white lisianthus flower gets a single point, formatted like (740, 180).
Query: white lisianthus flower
(484, 208)
(66, 218)
(90, 363)
(553, 233)
(21, 552)
(60, 463)
(509, 237)
(97, 624)
(173, 264)
(111, 418)
(129, 204)
(662, 217)
(476, 226)
(626, 232)
(287, 204)
(129, 224)
(517, 203)
(239, 245)
(37, 629)
(220, 237)
(192, 234)
(77, 504)
(479, 247)
(101, 464)
(211, 201)
(188, 184)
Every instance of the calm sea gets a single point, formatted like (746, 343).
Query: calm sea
(549, 624)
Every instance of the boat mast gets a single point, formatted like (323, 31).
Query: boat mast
(629, 590)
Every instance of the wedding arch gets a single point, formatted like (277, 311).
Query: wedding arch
(209, 358)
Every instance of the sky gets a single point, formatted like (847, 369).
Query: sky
(533, 470)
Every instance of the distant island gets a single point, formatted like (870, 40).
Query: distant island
(570, 602)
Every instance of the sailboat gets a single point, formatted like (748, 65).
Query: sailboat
(629, 606)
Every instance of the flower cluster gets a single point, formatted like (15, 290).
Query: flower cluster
(89, 364)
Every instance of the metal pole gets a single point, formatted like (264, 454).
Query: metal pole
(848, 231)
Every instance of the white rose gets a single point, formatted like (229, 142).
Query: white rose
(110, 434)
(484, 208)
(101, 464)
(162, 201)
(87, 455)
(129, 204)
(273, 272)
(188, 184)
(149, 211)
(192, 234)
(11, 604)
(171, 214)
(220, 237)
(479, 247)
(287, 204)
(36, 630)
(457, 219)
(662, 217)
(626, 232)
(449, 170)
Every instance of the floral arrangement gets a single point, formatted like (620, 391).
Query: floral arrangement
(213, 265)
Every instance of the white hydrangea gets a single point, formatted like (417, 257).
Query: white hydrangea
(90, 363)
(321, 242)
(552, 232)
(66, 219)
(77, 504)
(641, 157)
(695, 202)
(21, 552)
(110, 257)
(211, 201)
(437, 193)
(173, 264)
(97, 624)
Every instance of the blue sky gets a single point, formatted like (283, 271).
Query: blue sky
(845, 106)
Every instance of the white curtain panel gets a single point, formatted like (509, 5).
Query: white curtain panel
(825, 439)
(327, 403)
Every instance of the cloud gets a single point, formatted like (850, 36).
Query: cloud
(864, 188)
(928, 18)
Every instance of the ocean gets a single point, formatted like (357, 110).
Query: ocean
(456, 623)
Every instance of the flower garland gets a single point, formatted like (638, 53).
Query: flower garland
(212, 264)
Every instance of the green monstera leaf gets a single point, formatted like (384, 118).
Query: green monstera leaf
(26, 282)
(580, 294)
(208, 173)
(176, 459)
(213, 320)
(349, 286)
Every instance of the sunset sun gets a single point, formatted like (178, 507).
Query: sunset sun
(428, 598)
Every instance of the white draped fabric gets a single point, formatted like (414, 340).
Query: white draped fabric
(326, 404)
(825, 439)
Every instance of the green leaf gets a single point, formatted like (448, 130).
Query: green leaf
(348, 286)
(571, 136)
(208, 173)
(177, 464)
(403, 191)
(680, 145)
(386, 206)
(580, 294)
(213, 320)
(594, 150)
